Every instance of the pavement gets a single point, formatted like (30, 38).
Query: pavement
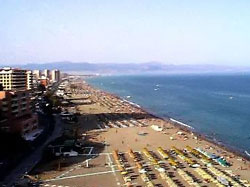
(31, 160)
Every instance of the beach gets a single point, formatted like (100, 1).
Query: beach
(126, 145)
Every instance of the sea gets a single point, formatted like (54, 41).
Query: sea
(216, 106)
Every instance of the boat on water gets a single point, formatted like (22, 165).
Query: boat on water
(128, 97)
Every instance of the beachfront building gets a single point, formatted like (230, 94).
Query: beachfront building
(16, 112)
(13, 79)
(16, 79)
(15, 101)
(55, 75)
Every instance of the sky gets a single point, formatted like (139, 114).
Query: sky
(136, 31)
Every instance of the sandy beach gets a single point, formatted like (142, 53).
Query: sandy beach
(127, 146)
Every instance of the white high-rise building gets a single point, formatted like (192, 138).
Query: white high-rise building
(37, 74)
(46, 73)
(55, 75)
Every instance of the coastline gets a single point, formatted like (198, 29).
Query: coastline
(114, 128)
(186, 127)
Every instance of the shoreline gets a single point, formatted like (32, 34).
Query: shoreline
(114, 128)
(175, 123)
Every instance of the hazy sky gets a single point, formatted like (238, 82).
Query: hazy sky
(176, 32)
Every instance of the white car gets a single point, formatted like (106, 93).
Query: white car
(70, 154)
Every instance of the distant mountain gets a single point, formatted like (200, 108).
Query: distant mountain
(131, 68)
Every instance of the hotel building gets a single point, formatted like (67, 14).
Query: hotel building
(15, 106)
(16, 79)
(13, 79)
(16, 112)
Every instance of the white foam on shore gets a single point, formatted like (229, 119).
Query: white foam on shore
(134, 104)
(183, 124)
(248, 154)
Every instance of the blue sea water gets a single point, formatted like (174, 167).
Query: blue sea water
(215, 105)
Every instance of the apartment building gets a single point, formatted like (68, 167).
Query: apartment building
(55, 75)
(16, 79)
(37, 74)
(46, 73)
(16, 112)
(15, 101)
(13, 79)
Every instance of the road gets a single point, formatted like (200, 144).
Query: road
(31, 160)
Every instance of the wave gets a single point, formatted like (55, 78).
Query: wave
(180, 123)
(248, 154)
(134, 104)
(228, 94)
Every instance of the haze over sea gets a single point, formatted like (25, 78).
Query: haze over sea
(215, 105)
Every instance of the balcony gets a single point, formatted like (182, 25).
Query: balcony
(14, 98)
(24, 108)
(5, 128)
(15, 111)
(5, 102)
(19, 75)
(14, 104)
(5, 109)
(24, 97)
(3, 120)
(19, 81)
